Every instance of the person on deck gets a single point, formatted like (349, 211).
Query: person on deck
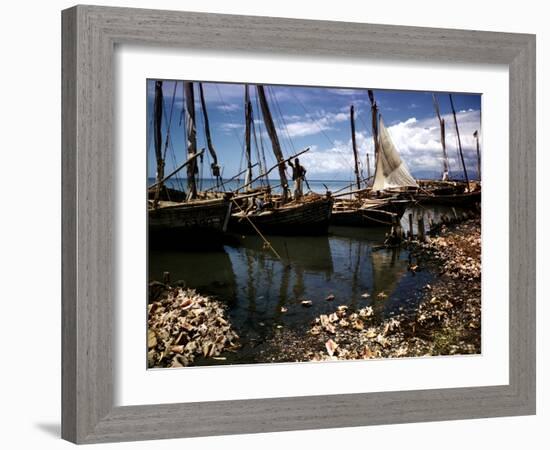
(298, 175)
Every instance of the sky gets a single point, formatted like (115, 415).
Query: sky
(319, 119)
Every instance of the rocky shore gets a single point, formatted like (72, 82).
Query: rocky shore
(447, 321)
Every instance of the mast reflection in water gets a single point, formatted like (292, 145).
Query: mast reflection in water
(255, 285)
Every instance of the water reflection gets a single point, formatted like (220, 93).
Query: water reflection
(256, 285)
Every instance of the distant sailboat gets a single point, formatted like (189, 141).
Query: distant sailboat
(447, 192)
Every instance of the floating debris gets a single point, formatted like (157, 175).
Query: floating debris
(365, 295)
(330, 297)
(283, 309)
(183, 325)
(306, 303)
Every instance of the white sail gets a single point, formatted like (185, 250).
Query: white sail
(391, 171)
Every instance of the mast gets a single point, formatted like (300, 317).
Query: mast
(374, 113)
(476, 135)
(248, 121)
(214, 166)
(191, 139)
(445, 176)
(270, 126)
(459, 142)
(157, 112)
(368, 168)
(354, 146)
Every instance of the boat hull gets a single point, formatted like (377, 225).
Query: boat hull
(465, 199)
(195, 224)
(308, 218)
(385, 214)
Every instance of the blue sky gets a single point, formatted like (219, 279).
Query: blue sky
(319, 118)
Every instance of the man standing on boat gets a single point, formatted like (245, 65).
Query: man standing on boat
(298, 174)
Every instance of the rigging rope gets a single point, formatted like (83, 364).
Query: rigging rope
(262, 148)
(338, 151)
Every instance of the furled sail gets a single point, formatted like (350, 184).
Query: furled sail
(391, 170)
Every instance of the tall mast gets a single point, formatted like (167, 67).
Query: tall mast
(368, 168)
(445, 176)
(157, 112)
(191, 139)
(248, 121)
(374, 113)
(214, 166)
(476, 135)
(354, 146)
(270, 126)
(459, 142)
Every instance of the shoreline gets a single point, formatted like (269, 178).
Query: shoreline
(192, 329)
(447, 320)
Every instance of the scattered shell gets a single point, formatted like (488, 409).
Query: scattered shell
(182, 325)
(331, 347)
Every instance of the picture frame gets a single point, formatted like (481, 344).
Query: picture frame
(90, 34)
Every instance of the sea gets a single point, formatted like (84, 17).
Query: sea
(203, 184)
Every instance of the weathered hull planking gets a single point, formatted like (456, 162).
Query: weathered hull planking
(374, 216)
(463, 199)
(194, 224)
(308, 218)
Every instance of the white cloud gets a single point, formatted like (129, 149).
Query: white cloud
(418, 141)
(229, 127)
(228, 107)
(337, 162)
(311, 124)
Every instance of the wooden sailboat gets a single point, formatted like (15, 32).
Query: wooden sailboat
(279, 214)
(366, 210)
(190, 221)
(451, 193)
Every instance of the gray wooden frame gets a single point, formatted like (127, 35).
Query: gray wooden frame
(89, 37)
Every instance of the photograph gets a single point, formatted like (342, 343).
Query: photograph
(294, 224)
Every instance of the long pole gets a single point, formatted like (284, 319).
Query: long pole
(157, 131)
(476, 135)
(223, 183)
(248, 119)
(279, 164)
(445, 176)
(170, 175)
(374, 113)
(459, 143)
(368, 166)
(270, 126)
(214, 166)
(354, 145)
(191, 139)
